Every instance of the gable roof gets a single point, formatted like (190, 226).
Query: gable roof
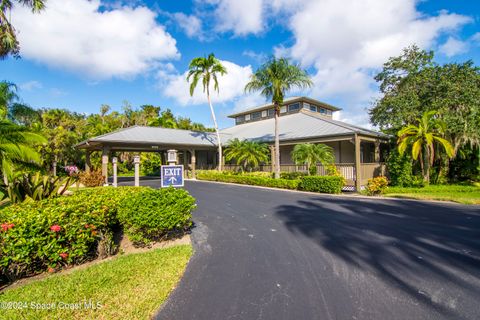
(302, 125)
(154, 136)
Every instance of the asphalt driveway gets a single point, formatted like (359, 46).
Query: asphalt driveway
(266, 254)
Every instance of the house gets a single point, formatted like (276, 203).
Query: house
(358, 151)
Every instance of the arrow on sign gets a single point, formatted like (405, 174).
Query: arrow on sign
(172, 179)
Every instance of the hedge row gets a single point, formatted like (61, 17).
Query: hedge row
(247, 179)
(324, 184)
(53, 233)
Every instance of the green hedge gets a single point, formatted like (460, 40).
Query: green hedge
(53, 233)
(156, 214)
(324, 184)
(247, 179)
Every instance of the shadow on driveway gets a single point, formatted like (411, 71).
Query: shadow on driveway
(429, 251)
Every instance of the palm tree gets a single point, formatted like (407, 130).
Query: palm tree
(274, 79)
(422, 138)
(8, 38)
(311, 154)
(16, 148)
(247, 153)
(8, 96)
(207, 69)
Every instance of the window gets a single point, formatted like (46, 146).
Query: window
(271, 112)
(256, 115)
(322, 110)
(329, 112)
(264, 113)
(313, 108)
(294, 107)
(283, 109)
(240, 119)
(247, 117)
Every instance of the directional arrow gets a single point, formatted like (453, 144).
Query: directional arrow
(172, 179)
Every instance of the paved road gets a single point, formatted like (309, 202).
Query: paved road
(263, 254)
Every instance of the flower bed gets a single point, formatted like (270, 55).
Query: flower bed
(53, 233)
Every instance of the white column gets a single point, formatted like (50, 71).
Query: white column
(114, 161)
(105, 164)
(136, 161)
(194, 162)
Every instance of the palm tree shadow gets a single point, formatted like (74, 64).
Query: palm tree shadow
(399, 242)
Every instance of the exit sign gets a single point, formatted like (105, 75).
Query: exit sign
(172, 176)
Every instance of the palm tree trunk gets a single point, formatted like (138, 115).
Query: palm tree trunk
(219, 141)
(277, 143)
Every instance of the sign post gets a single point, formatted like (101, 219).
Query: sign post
(172, 176)
(114, 161)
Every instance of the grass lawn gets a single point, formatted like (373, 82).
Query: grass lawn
(128, 287)
(457, 193)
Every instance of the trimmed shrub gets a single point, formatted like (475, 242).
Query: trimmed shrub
(92, 178)
(324, 184)
(156, 214)
(400, 169)
(377, 185)
(52, 233)
(245, 179)
(292, 175)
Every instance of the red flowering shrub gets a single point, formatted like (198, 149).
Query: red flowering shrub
(54, 232)
(55, 228)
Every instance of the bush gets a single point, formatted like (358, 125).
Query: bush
(324, 184)
(377, 185)
(155, 214)
(400, 169)
(292, 175)
(245, 179)
(49, 234)
(27, 186)
(92, 178)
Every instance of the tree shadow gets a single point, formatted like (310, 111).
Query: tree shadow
(399, 242)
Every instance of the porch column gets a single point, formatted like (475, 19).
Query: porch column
(185, 163)
(377, 151)
(88, 164)
(136, 161)
(114, 162)
(358, 176)
(194, 162)
(105, 152)
(272, 157)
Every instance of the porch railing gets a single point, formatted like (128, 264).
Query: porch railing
(347, 170)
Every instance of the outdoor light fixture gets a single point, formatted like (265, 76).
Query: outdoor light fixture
(172, 156)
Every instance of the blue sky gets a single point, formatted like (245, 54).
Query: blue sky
(79, 54)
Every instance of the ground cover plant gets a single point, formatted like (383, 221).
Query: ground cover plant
(466, 194)
(113, 284)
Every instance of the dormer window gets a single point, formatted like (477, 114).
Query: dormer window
(256, 115)
(294, 107)
(271, 112)
(313, 108)
(240, 119)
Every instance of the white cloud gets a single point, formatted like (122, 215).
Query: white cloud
(99, 42)
(190, 24)
(476, 37)
(231, 85)
(30, 85)
(240, 17)
(453, 47)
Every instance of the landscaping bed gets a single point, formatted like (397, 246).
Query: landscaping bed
(130, 286)
(323, 184)
(51, 234)
(466, 194)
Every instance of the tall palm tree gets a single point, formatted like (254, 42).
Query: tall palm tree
(247, 153)
(16, 148)
(423, 138)
(207, 69)
(8, 96)
(311, 154)
(274, 79)
(8, 38)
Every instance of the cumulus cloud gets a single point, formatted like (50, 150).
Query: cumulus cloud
(231, 85)
(30, 85)
(453, 47)
(240, 17)
(190, 24)
(344, 42)
(100, 42)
